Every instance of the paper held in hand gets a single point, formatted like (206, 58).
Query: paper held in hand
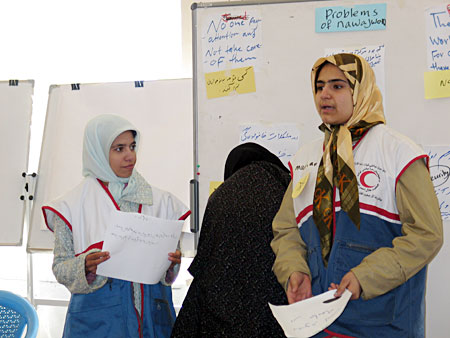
(139, 245)
(310, 316)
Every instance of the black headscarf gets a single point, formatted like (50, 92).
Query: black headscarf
(247, 153)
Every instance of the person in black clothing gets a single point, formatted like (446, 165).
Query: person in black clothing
(233, 278)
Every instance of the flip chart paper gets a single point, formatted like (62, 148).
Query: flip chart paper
(310, 316)
(440, 173)
(139, 245)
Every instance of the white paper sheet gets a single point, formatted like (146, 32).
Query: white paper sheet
(440, 173)
(139, 245)
(310, 316)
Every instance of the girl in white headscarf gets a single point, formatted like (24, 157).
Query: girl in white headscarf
(100, 306)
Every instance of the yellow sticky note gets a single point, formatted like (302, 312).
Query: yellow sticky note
(213, 185)
(297, 190)
(224, 83)
(437, 84)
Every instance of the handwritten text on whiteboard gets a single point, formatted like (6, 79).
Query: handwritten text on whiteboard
(437, 20)
(231, 40)
(282, 139)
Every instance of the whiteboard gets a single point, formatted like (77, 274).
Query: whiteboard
(15, 120)
(160, 110)
(288, 47)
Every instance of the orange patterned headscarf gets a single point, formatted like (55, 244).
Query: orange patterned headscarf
(337, 168)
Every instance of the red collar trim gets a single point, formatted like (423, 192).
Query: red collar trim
(103, 185)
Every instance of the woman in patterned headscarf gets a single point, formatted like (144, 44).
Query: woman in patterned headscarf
(351, 217)
(101, 306)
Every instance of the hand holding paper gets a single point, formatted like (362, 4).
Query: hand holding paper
(93, 260)
(139, 245)
(299, 287)
(175, 258)
(310, 316)
(349, 282)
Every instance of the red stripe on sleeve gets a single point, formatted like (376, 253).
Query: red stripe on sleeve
(98, 245)
(409, 164)
(57, 213)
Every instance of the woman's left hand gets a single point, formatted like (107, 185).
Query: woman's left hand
(350, 282)
(175, 258)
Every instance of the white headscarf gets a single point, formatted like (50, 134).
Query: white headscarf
(99, 134)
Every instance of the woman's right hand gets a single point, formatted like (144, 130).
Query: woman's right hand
(299, 287)
(94, 259)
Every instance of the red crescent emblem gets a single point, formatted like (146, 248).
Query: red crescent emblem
(362, 179)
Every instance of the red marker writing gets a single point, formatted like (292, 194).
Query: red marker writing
(448, 9)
